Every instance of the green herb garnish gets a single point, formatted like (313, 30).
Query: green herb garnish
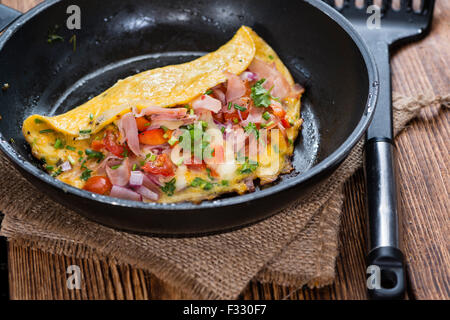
(56, 173)
(151, 157)
(91, 154)
(225, 182)
(47, 131)
(260, 95)
(116, 167)
(169, 187)
(172, 140)
(251, 128)
(134, 167)
(37, 121)
(238, 107)
(71, 148)
(86, 175)
(248, 167)
(230, 105)
(266, 116)
(209, 92)
(85, 131)
(199, 182)
(58, 144)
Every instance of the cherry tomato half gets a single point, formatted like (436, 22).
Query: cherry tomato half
(110, 142)
(98, 184)
(142, 123)
(153, 137)
(162, 165)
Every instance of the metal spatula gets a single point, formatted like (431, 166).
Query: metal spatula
(398, 22)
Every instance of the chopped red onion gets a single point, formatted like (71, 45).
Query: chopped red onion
(147, 193)
(136, 178)
(249, 183)
(66, 166)
(249, 76)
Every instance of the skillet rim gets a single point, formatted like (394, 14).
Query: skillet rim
(333, 159)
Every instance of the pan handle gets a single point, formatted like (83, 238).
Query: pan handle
(7, 16)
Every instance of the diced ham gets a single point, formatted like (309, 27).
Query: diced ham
(274, 78)
(235, 87)
(206, 102)
(173, 113)
(128, 127)
(121, 175)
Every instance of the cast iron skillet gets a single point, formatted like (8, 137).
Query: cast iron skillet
(119, 38)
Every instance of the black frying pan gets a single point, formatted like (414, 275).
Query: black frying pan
(119, 38)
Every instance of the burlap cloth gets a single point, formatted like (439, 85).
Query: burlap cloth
(296, 247)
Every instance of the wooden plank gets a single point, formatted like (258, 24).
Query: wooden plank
(423, 179)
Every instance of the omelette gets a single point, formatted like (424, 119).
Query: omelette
(187, 132)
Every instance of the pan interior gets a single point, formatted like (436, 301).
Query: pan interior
(126, 37)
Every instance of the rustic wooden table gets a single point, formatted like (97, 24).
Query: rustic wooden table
(423, 178)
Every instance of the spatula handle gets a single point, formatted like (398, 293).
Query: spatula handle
(385, 259)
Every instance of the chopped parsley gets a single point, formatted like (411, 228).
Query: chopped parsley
(290, 141)
(49, 168)
(209, 92)
(270, 57)
(266, 116)
(85, 131)
(124, 153)
(238, 107)
(91, 116)
(71, 148)
(37, 121)
(169, 187)
(225, 182)
(134, 167)
(235, 120)
(251, 128)
(260, 95)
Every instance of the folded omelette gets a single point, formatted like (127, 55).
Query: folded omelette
(187, 132)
